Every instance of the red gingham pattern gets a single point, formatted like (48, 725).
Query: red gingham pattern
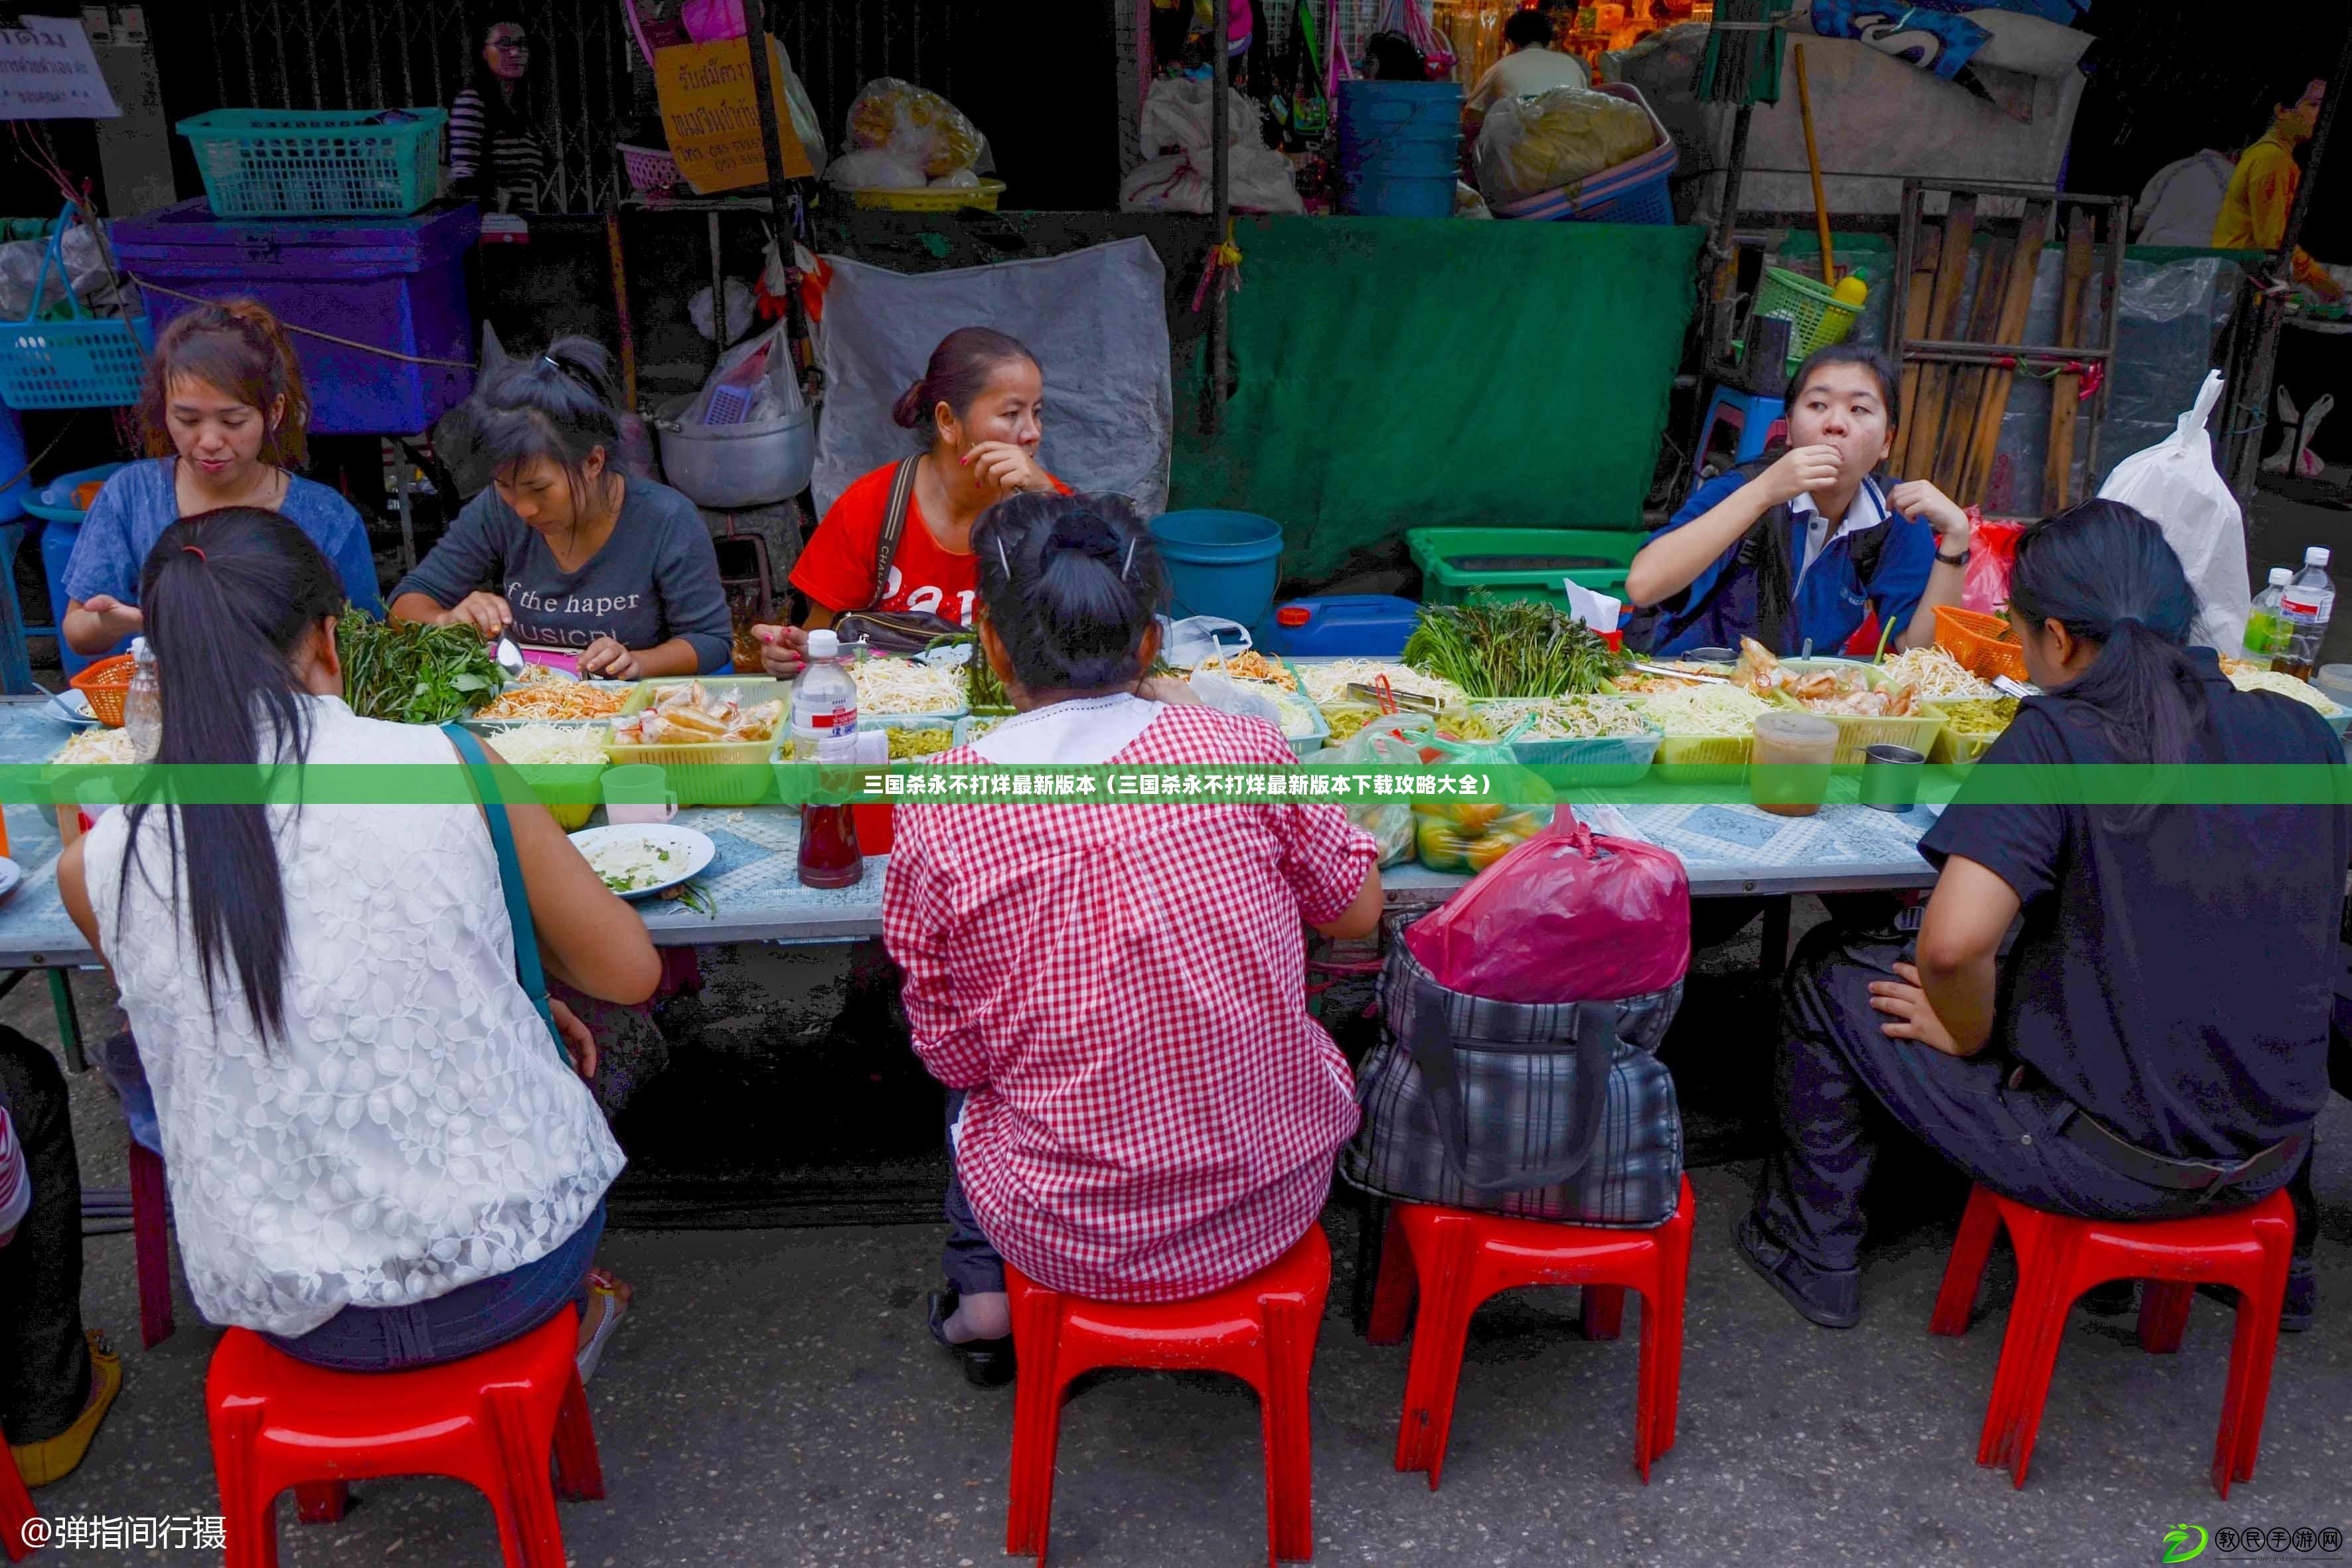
(1153, 1111)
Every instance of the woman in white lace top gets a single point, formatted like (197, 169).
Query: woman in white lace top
(377, 1154)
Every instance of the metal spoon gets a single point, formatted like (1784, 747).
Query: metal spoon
(2010, 687)
(509, 656)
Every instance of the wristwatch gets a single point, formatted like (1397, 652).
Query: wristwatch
(1944, 560)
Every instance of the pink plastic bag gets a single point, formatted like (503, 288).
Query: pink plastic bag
(1568, 915)
(1992, 552)
(707, 21)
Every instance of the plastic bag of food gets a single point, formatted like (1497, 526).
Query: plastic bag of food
(1229, 696)
(1470, 834)
(1395, 740)
(1179, 182)
(1551, 139)
(775, 392)
(914, 125)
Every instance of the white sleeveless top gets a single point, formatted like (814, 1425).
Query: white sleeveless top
(418, 1129)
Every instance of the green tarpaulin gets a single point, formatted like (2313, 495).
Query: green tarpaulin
(1399, 372)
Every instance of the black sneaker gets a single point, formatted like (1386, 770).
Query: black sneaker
(1831, 1297)
(987, 1364)
(2302, 1303)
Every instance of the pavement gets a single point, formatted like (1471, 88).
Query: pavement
(773, 1399)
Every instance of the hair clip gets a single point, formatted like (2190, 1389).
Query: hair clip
(1129, 562)
(1001, 561)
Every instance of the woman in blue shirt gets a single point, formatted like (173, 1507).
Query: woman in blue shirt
(226, 417)
(1756, 553)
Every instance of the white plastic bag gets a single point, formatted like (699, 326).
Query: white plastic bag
(1230, 696)
(1196, 640)
(2175, 483)
(1176, 118)
(1180, 184)
(870, 169)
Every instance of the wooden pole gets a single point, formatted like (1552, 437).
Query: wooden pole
(1992, 401)
(621, 305)
(1967, 385)
(1813, 167)
(1919, 293)
(1924, 423)
(1220, 179)
(2067, 391)
(771, 143)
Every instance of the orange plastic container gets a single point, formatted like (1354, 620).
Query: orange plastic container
(106, 684)
(1980, 641)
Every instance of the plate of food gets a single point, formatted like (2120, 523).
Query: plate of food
(641, 859)
(70, 707)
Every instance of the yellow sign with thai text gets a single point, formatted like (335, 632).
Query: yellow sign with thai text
(713, 119)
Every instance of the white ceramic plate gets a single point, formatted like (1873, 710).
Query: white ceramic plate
(71, 707)
(675, 853)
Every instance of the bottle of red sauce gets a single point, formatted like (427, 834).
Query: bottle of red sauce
(825, 729)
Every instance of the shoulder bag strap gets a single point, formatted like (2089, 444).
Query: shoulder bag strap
(526, 935)
(1430, 1038)
(894, 525)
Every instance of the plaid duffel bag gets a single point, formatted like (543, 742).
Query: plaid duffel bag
(1559, 1111)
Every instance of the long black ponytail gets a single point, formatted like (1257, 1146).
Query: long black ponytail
(227, 596)
(2106, 573)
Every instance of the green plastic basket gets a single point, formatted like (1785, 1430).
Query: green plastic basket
(1520, 562)
(325, 162)
(1816, 317)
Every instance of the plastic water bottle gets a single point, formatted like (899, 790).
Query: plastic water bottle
(2306, 603)
(142, 709)
(825, 729)
(2266, 635)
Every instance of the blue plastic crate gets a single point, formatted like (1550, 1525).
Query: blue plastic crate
(270, 162)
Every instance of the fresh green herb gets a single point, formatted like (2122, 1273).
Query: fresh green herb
(695, 897)
(1499, 647)
(413, 674)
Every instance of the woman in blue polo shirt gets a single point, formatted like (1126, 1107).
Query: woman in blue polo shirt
(1756, 553)
(2155, 1042)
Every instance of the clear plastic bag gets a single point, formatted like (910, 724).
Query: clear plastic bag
(1384, 742)
(1470, 834)
(914, 125)
(777, 393)
(1227, 695)
(1548, 139)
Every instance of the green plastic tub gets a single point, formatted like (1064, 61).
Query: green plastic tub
(1520, 562)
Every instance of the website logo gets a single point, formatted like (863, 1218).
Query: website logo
(2185, 1542)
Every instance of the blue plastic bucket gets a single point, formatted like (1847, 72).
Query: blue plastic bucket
(1399, 143)
(1220, 563)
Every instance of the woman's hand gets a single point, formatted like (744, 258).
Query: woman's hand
(783, 650)
(1801, 470)
(116, 619)
(607, 659)
(1001, 466)
(578, 1043)
(486, 613)
(1905, 1003)
(1170, 688)
(1918, 498)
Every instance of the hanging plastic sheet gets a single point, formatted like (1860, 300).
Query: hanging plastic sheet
(1096, 319)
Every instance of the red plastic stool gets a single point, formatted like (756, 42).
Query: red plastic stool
(16, 1511)
(2058, 1258)
(1458, 1258)
(150, 1242)
(488, 1420)
(1262, 1330)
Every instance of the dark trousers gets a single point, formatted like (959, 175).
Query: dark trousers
(1840, 1077)
(465, 1321)
(45, 1372)
(973, 1266)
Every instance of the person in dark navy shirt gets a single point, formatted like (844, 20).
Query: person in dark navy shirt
(2155, 1042)
(1797, 551)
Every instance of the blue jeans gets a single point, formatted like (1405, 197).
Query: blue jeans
(466, 1321)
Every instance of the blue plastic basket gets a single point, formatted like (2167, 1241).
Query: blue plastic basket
(267, 163)
(84, 361)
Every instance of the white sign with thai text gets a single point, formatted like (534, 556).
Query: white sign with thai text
(46, 73)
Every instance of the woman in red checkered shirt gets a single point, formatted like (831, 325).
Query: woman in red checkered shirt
(1143, 1108)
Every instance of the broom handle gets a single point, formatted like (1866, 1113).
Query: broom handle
(1813, 167)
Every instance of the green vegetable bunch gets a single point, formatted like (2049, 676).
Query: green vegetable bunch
(1509, 647)
(413, 674)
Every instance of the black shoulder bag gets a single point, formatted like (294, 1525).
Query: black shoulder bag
(895, 631)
